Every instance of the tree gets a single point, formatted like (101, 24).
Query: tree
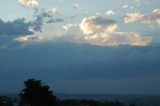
(132, 105)
(36, 94)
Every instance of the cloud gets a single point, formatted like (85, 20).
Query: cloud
(73, 33)
(25, 38)
(48, 33)
(125, 6)
(29, 3)
(117, 39)
(110, 13)
(15, 28)
(76, 6)
(52, 33)
(22, 31)
(88, 62)
(92, 25)
(11, 30)
(100, 31)
(98, 13)
(57, 20)
(151, 18)
(43, 16)
(128, 38)
(70, 26)
(132, 17)
(55, 11)
(92, 30)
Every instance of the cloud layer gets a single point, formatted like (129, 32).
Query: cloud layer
(148, 18)
(100, 31)
(29, 3)
(94, 30)
(110, 13)
(58, 62)
(17, 27)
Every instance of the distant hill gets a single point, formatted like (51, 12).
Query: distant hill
(139, 100)
(10, 95)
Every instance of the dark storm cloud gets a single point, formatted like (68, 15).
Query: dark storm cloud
(54, 62)
(84, 61)
(12, 29)
(20, 27)
(15, 28)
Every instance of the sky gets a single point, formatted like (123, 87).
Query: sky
(81, 46)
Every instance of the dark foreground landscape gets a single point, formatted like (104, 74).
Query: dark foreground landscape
(39, 94)
(138, 100)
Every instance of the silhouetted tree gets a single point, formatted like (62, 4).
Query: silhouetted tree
(36, 94)
(132, 105)
(74, 102)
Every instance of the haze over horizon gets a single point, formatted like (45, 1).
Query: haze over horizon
(81, 46)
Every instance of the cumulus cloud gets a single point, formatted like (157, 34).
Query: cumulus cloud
(110, 13)
(28, 3)
(100, 31)
(132, 17)
(55, 11)
(92, 25)
(92, 30)
(76, 6)
(118, 38)
(125, 6)
(147, 18)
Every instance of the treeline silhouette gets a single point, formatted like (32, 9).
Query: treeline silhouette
(74, 102)
(6, 101)
(37, 94)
